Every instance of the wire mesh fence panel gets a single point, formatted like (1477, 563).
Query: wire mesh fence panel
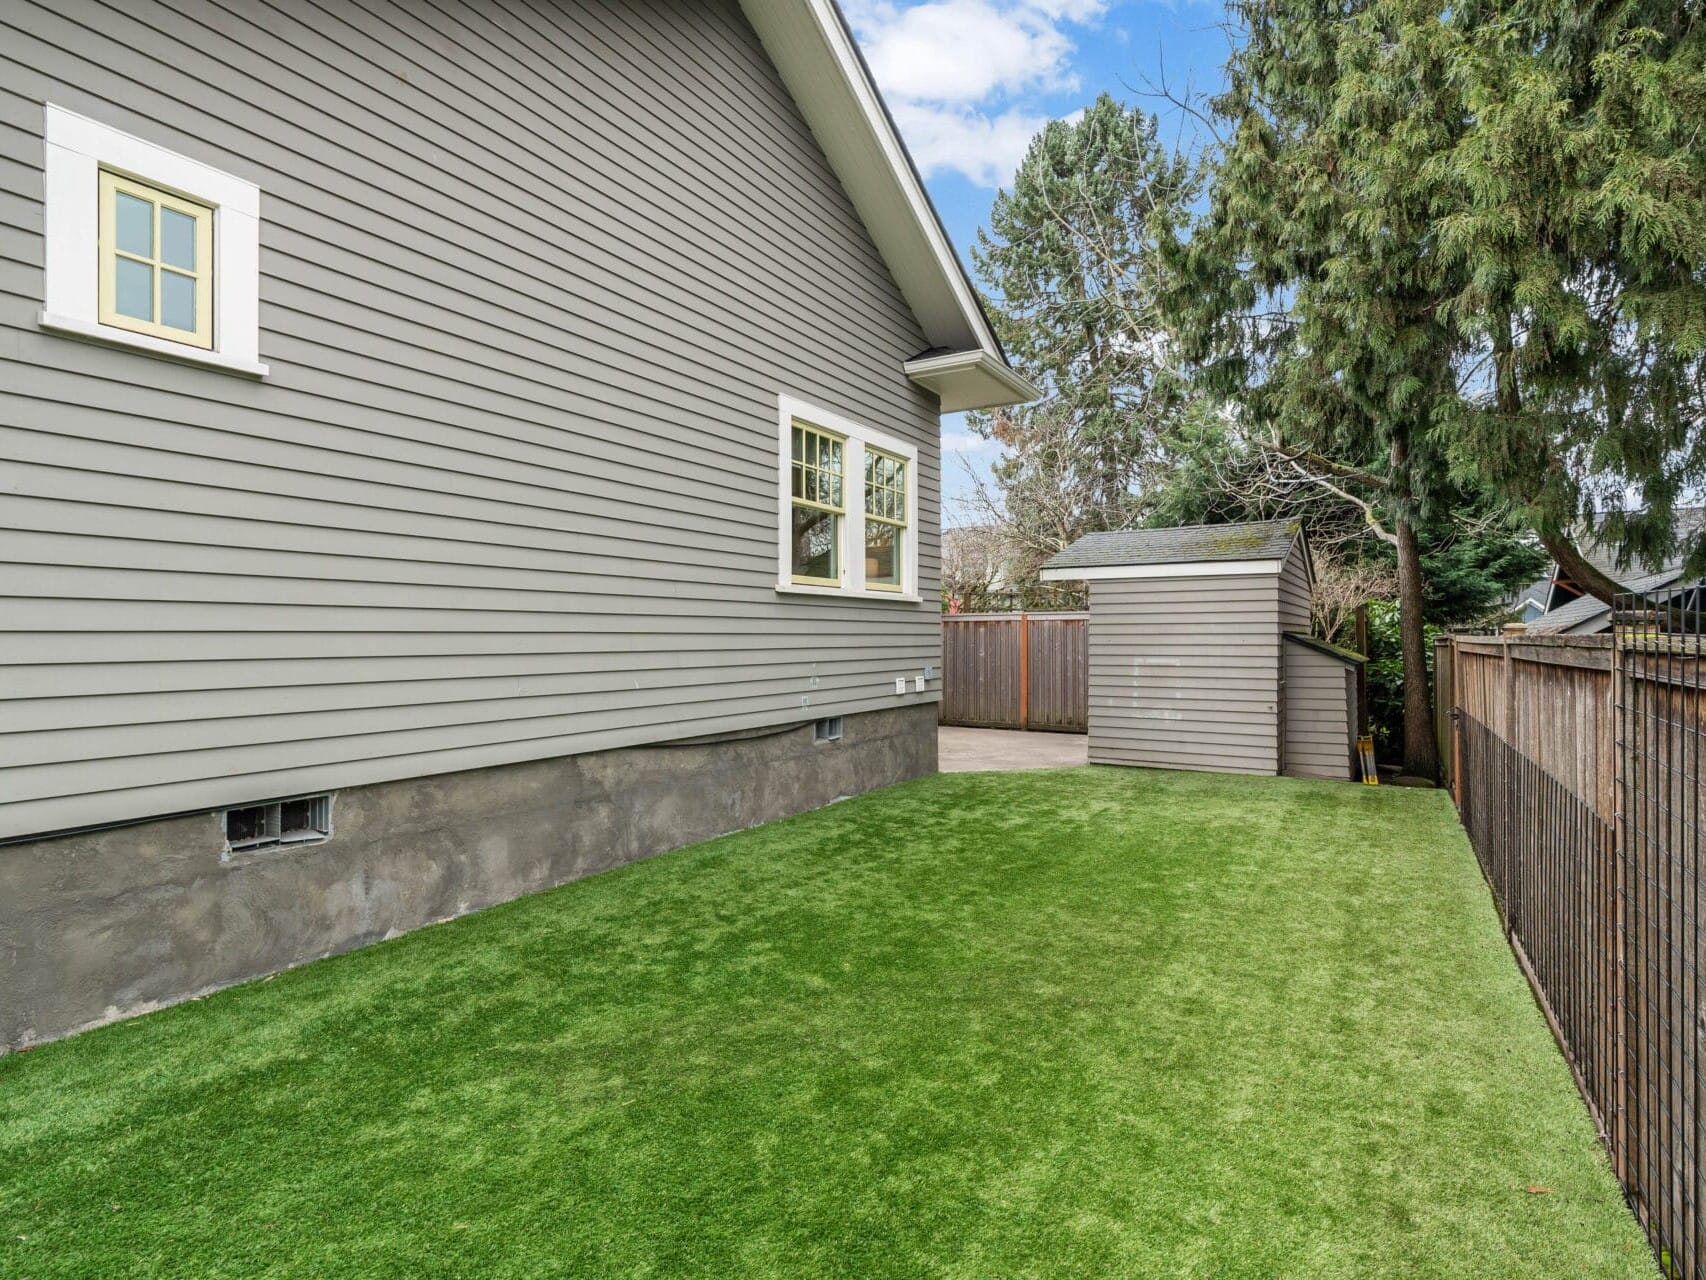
(1578, 776)
(1660, 721)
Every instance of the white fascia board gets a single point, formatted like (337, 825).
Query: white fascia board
(817, 59)
(1205, 569)
(971, 380)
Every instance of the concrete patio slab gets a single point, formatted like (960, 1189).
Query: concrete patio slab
(962, 750)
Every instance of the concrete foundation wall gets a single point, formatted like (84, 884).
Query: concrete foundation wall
(100, 926)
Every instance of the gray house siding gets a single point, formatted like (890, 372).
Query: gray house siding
(533, 276)
(1320, 692)
(1184, 672)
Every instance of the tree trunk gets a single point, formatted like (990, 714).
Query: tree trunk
(1421, 753)
(1579, 569)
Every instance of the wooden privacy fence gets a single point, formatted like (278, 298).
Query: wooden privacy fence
(1576, 766)
(1016, 670)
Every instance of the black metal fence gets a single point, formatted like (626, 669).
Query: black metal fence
(1659, 731)
(1578, 773)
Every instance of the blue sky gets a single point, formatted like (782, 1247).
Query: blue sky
(970, 82)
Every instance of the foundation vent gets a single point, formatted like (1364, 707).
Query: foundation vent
(305, 820)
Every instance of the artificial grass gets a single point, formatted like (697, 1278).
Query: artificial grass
(1099, 1022)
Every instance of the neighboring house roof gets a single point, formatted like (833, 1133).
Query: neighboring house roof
(1264, 540)
(1331, 650)
(1567, 612)
(1588, 615)
(1603, 556)
(814, 50)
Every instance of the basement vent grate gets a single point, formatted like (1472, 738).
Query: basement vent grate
(828, 730)
(305, 820)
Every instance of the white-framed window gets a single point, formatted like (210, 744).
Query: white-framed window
(847, 506)
(149, 249)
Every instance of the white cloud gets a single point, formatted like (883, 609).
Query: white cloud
(985, 148)
(963, 77)
(967, 442)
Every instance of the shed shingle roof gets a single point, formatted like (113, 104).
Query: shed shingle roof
(1192, 544)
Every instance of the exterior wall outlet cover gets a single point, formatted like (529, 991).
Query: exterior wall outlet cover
(900, 684)
(918, 685)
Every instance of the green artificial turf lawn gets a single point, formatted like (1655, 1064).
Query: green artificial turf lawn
(1099, 1022)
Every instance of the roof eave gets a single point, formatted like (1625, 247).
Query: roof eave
(971, 380)
(1161, 569)
(810, 44)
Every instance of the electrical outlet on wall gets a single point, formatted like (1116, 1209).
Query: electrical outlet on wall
(900, 684)
(918, 685)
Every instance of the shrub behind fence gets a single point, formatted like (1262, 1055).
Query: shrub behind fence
(1576, 765)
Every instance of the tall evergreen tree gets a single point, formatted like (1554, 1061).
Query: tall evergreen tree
(1069, 262)
(1310, 292)
(1574, 206)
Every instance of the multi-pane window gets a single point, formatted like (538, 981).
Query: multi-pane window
(819, 504)
(156, 262)
(885, 520)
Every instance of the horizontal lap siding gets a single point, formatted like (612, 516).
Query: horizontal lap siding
(1294, 603)
(532, 278)
(1319, 695)
(1184, 673)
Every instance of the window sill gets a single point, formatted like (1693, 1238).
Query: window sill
(107, 336)
(845, 593)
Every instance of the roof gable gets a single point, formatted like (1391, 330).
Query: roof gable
(820, 63)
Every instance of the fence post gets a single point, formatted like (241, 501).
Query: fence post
(1620, 911)
(1024, 670)
(1456, 732)
(1512, 856)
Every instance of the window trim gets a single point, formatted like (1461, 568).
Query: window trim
(206, 271)
(839, 513)
(75, 151)
(856, 438)
(900, 526)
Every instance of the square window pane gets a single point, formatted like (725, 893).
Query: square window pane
(816, 544)
(177, 301)
(177, 240)
(882, 555)
(135, 225)
(133, 290)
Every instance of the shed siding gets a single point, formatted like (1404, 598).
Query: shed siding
(1184, 672)
(532, 278)
(1295, 612)
(1320, 692)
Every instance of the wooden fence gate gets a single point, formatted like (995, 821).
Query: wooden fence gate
(1016, 671)
(1577, 768)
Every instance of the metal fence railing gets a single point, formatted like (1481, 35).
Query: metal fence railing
(1577, 768)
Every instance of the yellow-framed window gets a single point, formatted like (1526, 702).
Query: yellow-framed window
(818, 464)
(885, 520)
(156, 273)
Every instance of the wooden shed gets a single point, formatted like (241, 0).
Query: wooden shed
(1201, 655)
